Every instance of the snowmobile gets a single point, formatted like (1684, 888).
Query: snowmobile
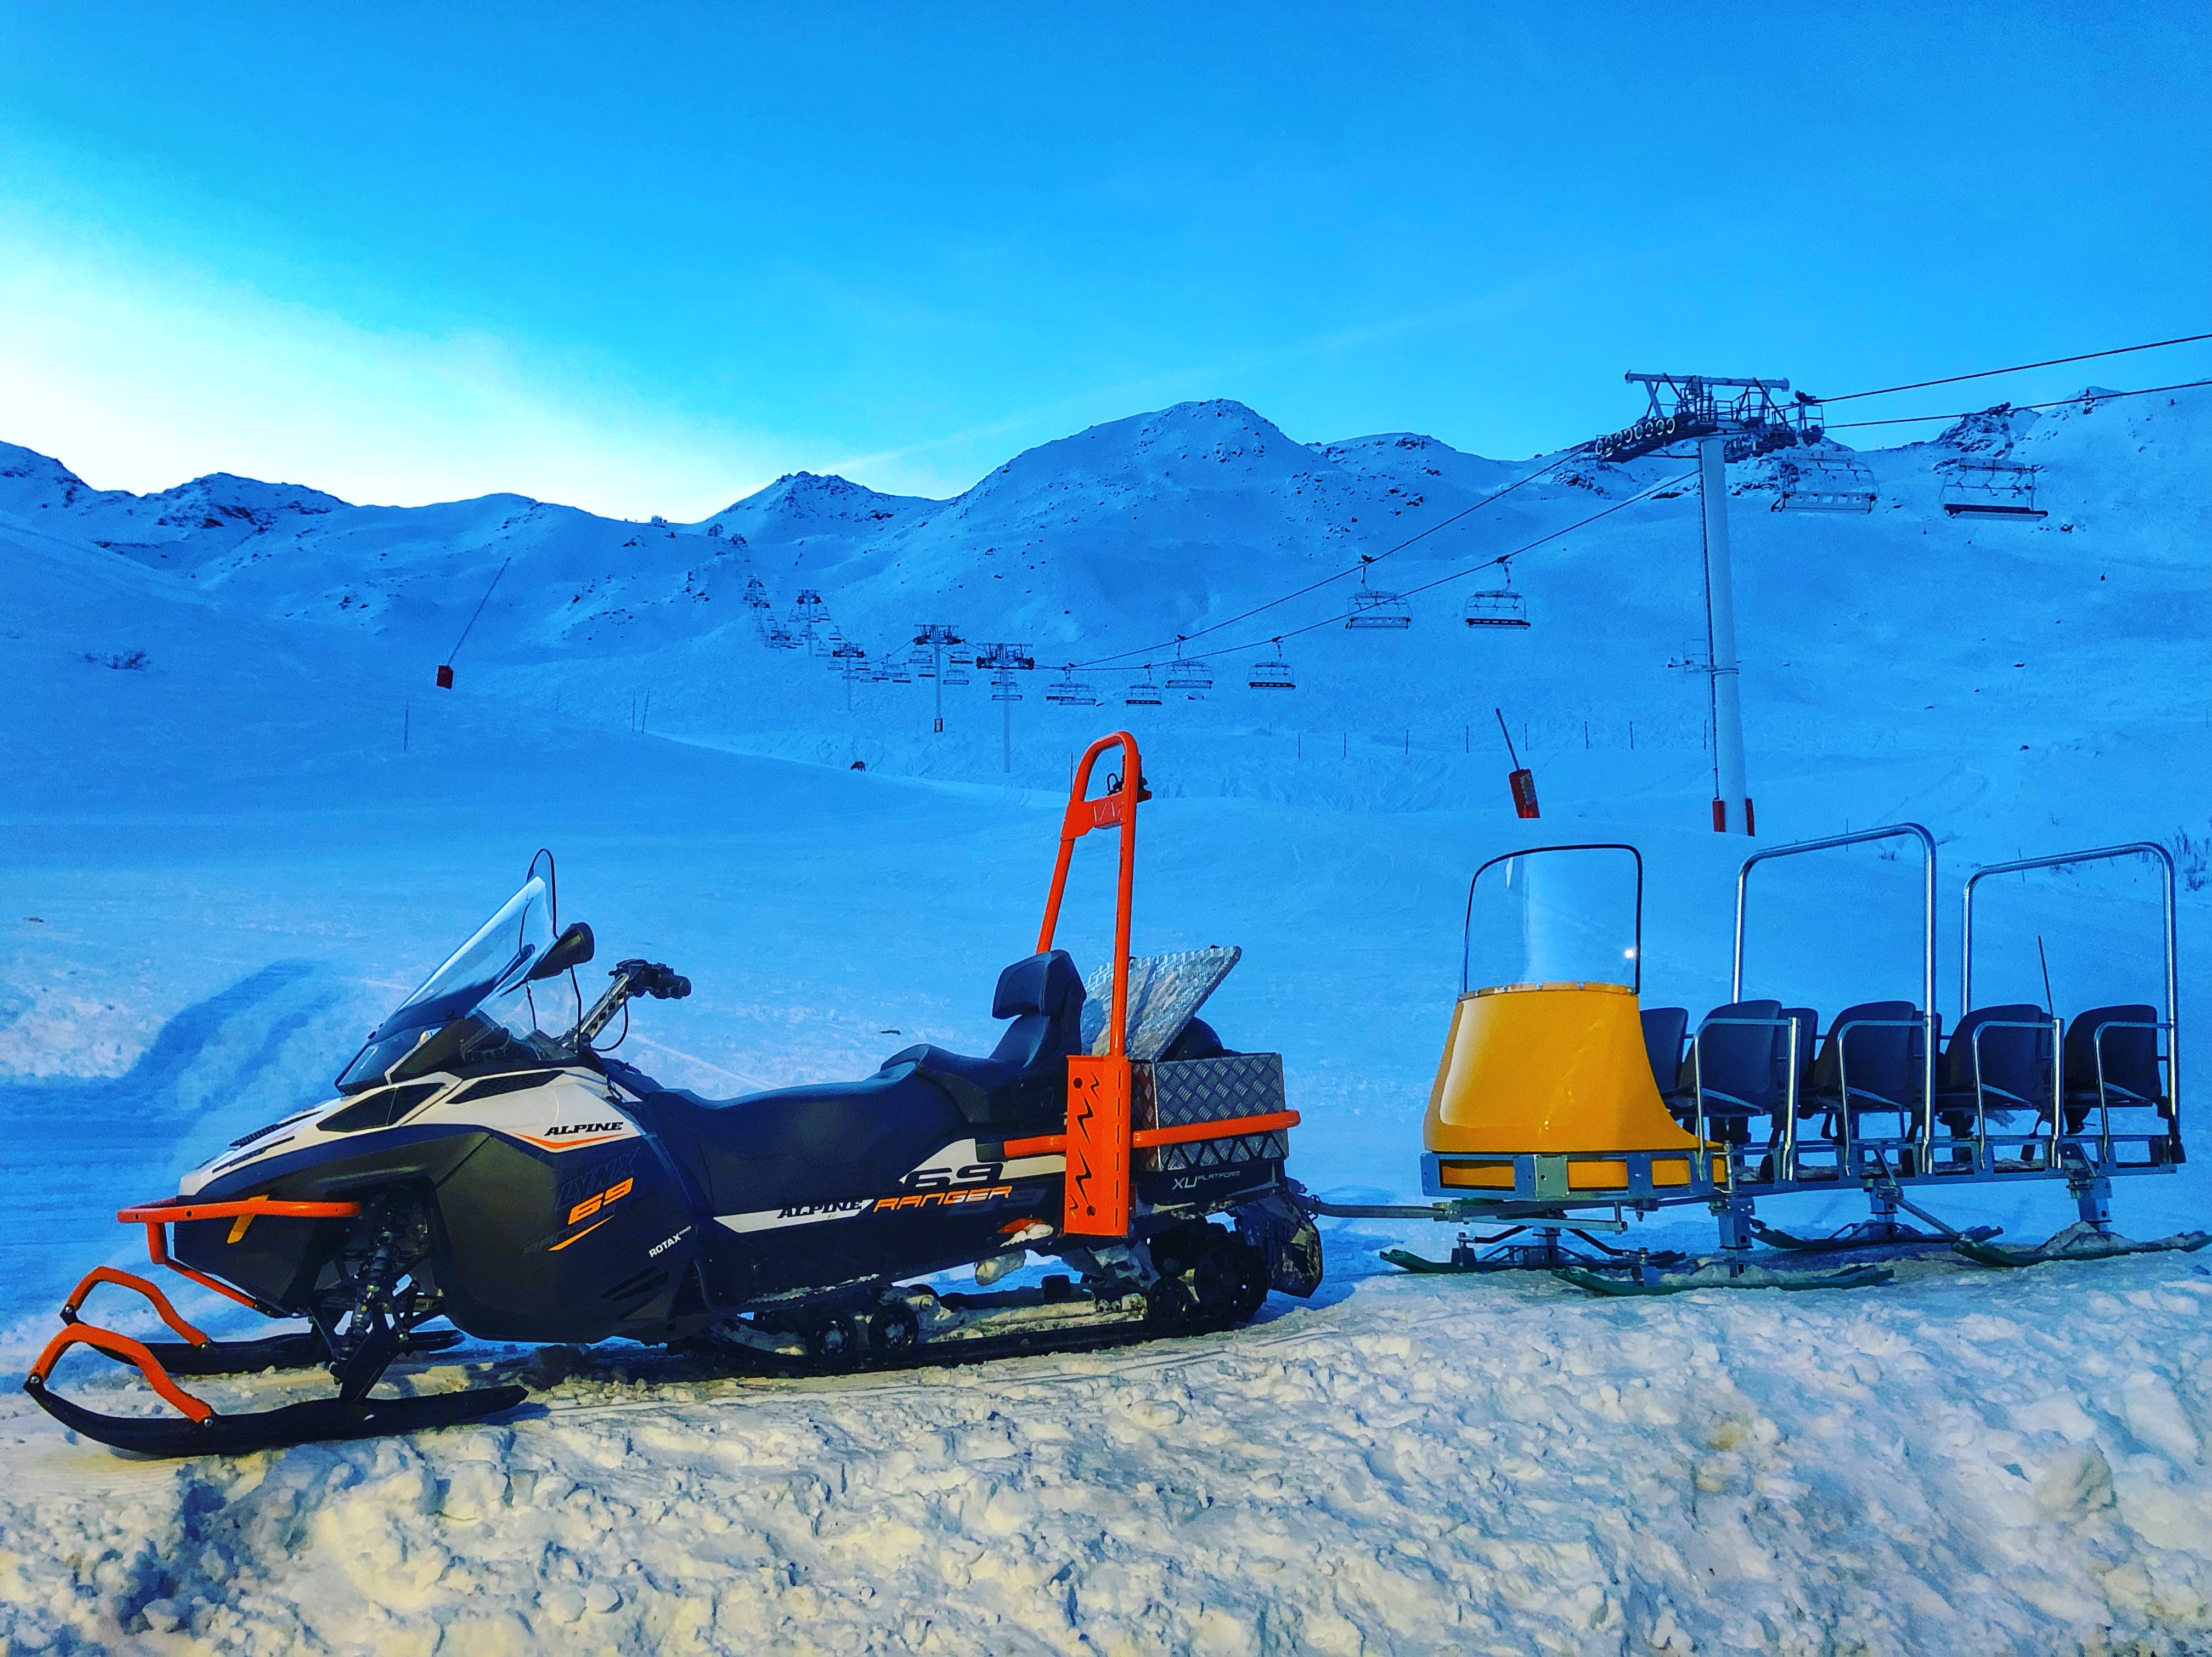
(523, 1185)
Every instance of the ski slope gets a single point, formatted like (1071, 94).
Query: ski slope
(224, 866)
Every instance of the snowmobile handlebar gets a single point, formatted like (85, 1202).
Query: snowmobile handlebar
(655, 979)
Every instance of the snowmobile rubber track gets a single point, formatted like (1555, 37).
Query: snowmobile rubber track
(324, 1418)
(1863, 1276)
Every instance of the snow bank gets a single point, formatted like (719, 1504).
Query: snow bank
(1969, 1463)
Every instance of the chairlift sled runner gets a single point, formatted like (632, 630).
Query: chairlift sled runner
(528, 1186)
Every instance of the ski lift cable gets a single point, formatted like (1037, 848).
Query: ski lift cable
(1365, 559)
(2020, 408)
(2019, 368)
(1641, 495)
(477, 611)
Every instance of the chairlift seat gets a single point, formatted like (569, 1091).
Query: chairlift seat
(2126, 1038)
(1734, 1068)
(1875, 1049)
(1504, 607)
(1273, 676)
(1998, 1058)
(1665, 1028)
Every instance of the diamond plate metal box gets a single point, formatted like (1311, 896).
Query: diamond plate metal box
(1191, 1090)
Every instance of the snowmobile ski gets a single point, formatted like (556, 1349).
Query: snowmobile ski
(216, 1434)
(2079, 1242)
(1721, 1275)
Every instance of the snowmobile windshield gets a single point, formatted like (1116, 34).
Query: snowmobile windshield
(1560, 914)
(486, 979)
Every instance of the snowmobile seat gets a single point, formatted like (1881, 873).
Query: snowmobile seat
(1735, 1066)
(1664, 1030)
(1998, 1059)
(1026, 1074)
(2126, 1040)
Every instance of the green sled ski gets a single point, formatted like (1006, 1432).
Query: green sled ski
(1863, 1276)
(2080, 1242)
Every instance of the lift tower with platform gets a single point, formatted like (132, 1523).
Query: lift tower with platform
(1728, 420)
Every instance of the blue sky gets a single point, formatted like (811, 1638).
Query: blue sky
(645, 259)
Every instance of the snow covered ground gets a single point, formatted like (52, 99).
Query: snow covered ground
(222, 866)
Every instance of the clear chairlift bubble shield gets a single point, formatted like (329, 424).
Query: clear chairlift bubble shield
(1555, 915)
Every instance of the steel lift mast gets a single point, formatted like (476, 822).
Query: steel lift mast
(1728, 420)
(936, 635)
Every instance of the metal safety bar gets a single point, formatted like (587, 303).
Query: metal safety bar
(2149, 848)
(1861, 837)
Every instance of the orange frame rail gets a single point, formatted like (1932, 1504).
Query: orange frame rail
(240, 1211)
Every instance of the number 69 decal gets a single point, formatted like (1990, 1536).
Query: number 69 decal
(606, 1198)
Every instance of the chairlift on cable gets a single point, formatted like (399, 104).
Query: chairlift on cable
(1144, 692)
(1275, 675)
(845, 650)
(1189, 675)
(956, 673)
(1991, 488)
(1068, 691)
(781, 637)
(1500, 607)
(757, 593)
(1830, 483)
(1002, 688)
(1372, 607)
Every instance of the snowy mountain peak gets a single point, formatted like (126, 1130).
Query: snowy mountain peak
(805, 503)
(221, 498)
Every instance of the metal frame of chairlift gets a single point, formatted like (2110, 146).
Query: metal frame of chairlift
(1499, 607)
(1144, 692)
(1274, 675)
(2010, 492)
(1827, 484)
(757, 593)
(1854, 1151)
(1068, 691)
(1372, 607)
(1190, 675)
(2105, 1162)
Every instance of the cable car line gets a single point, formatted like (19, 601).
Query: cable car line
(1564, 456)
(2018, 368)
(2020, 408)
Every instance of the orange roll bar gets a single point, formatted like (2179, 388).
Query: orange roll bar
(1115, 810)
(131, 1351)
